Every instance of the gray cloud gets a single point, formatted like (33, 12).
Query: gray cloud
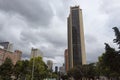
(90, 39)
(100, 31)
(17, 19)
(57, 40)
(43, 24)
(35, 11)
(94, 48)
(112, 11)
(1, 27)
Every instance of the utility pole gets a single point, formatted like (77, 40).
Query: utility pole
(33, 68)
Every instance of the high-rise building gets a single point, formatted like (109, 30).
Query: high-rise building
(50, 65)
(62, 69)
(76, 46)
(56, 69)
(7, 46)
(36, 53)
(66, 59)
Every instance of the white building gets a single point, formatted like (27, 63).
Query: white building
(36, 53)
(7, 46)
(62, 69)
(50, 64)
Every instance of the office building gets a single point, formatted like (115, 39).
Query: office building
(14, 56)
(66, 60)
(62, 69)
(7, 46)
(76, 45)
(56, 69)
(36, 53)
(50, 65)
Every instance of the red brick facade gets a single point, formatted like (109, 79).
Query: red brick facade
(66, 59)
(14, 56)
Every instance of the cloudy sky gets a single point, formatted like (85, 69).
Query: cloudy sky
(43, 24)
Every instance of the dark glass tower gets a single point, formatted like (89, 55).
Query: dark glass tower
(76, 46)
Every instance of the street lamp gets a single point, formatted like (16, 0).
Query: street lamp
(33, 68)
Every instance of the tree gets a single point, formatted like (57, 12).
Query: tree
(87, 71)
(117, 34)
(76, 73)
(91, 71)
(6, 69)
(109, 62)
(54, 75)
(102, 68)
(64, 77)
(21, 69)
(117, 41)
(40, 68)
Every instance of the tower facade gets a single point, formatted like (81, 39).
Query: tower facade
(14, 56)
(36, 53)
(66, 59)
(50, 65)
(76, 45)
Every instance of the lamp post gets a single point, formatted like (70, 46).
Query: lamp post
(33, 68)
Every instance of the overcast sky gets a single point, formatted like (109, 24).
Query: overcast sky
(43, 24)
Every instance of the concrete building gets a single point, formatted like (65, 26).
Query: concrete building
(62, 69)
(7, 46)
(50, 65)
(36, 53)
(66, 60)
(76, 45)
(14, 56)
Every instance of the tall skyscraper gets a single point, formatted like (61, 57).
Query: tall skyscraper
(76, 46)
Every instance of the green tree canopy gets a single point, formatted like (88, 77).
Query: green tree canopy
(6, 69)
(109, 61)
(117, 34)
(76, 73)
(40, 68)
(21, 69)
(87, 71)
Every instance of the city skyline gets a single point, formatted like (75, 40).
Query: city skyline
(44, 25)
